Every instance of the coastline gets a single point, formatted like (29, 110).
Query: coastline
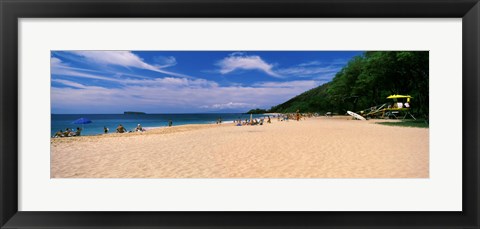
(185, 127)
(149, 131)
(148, 122)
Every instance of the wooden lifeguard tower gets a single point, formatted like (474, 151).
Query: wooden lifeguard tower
(400, 105)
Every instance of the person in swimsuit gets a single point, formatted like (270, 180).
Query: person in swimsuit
(121, 129)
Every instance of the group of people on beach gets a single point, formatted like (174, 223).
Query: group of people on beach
(121, 129)
(247, 122)
(294, 116)
(68, 133)
(280, 118)
(252, 122)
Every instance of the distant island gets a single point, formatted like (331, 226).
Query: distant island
(133, 112)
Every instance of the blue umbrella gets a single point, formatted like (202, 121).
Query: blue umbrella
(82, 121)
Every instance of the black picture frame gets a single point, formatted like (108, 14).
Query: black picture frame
(12, 10)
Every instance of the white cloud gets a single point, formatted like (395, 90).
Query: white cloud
(55, 61)
(69, 83)
(325, 63)
(57, 67)
(122, 58)
(229, 105)
(290, 84)
(60, 68)
(125, 59)
(57, 64)
(311, 63)
(307, 70)
(171, 82)
(240, 61)
(165, 61)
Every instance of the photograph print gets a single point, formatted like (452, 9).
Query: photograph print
(239, 114)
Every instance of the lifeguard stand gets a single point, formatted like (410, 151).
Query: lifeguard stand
(400, 104)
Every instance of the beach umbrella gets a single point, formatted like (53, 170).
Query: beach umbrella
(82, 121)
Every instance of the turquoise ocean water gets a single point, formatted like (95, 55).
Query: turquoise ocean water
(130, 121)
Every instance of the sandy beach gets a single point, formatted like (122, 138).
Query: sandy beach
(321, 147)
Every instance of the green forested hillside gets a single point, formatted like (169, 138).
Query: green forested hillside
(257, 111)
(366, 81)
(313, 100)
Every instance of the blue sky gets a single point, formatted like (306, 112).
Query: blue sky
(109, 82)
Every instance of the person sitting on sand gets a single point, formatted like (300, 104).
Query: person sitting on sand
(67, 132)
(78, 132)
(139, 128)
(121, 129)
(71, 133)
(170, 123)
(59, 134)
